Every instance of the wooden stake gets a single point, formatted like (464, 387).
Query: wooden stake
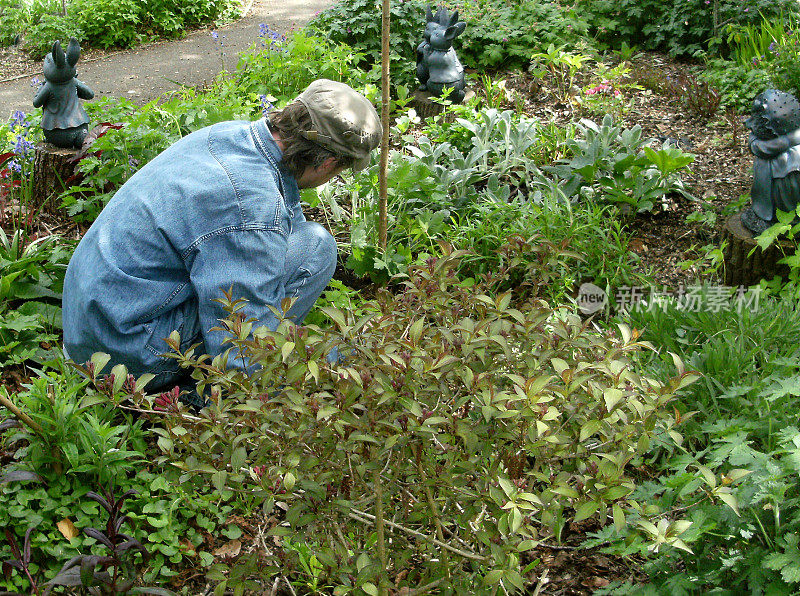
(383, 191)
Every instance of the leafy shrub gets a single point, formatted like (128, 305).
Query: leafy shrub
(117, 23)
(741, 423)
(357, 23)
(737, 85)
(615, 165)
(503, 35)
(477, 423)
(682, 28)
(40, 37)
(84, 441)
(31, 278)
(14, 15)
(107, 24)
(280, 68)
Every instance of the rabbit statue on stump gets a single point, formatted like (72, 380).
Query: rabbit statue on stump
(64, 121)
(438, 66)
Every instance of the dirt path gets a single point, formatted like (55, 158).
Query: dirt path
(145, 72)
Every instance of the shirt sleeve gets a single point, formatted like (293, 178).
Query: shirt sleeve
(252, 263)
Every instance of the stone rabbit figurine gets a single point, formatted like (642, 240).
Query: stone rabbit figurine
(438, 66)
(64, 121)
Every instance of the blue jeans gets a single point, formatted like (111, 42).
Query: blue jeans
(309, 266)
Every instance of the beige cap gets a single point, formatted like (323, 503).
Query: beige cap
(345, 122)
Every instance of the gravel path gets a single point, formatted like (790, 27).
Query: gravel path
(147, 71)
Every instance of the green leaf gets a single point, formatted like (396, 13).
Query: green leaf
(612, 397)
(730, 501)
(99, 359)
(589, 428)
(218, 479)
(493, 577)
(586, 510)
(415, 332)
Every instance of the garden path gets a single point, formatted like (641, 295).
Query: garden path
(147, 71)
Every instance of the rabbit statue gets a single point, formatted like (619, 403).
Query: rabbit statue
(438, 67)
(64, 121)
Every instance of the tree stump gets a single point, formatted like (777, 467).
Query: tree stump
(52, 168)
(743, 269)
(426, 107)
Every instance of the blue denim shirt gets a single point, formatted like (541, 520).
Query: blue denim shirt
(211, 212)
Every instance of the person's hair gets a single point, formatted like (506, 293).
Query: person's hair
(298, 152)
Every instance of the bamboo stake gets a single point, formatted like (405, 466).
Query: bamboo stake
(22, 416)
(383, 190)
(379, 530)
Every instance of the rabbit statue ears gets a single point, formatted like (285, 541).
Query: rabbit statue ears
(442, 18)
(72, 55)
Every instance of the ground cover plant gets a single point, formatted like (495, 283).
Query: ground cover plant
(480, 424)
(119, 23)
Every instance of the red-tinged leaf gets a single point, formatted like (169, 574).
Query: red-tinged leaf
(26, 547)
(99, 536)
(133, 544)
(4, 157)
(94, 134)
(9, 423)
(95, 497)
(69, 577)
(12, 543)
(15, 564)
(118, 524)
(128, 493)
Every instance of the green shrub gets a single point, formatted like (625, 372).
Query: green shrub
(680, 27)
(357, 23)
(474, 422)
(504, 35)
(738, 85)
(740, 423)
(280, 68)
(615, 165)
(39, 37)
(107, 24)
(14, 16)
(115, 23)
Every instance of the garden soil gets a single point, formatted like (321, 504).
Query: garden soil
(146, 72)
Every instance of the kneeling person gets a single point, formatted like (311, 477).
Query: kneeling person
(219, 209)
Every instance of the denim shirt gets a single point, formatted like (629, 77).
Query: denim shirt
(210, 213)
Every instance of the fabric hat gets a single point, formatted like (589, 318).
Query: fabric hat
(345, 122)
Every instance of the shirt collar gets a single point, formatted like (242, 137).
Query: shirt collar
(269, 148)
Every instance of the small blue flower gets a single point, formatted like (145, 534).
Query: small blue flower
(266, 104)
(214, 35)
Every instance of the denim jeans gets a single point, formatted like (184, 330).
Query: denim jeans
(309, 266)
(214, 212)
